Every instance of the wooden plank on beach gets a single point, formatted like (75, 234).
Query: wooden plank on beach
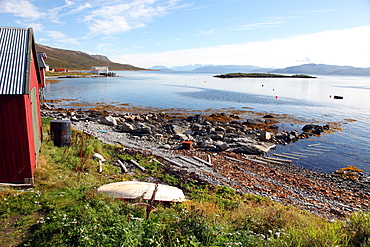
(257, 161)
(172, 162)
(280, 160)
(123, 167)
(311, 151)
(269, 161)
(155, 160)
(313, 145)
(202, 161)
(295, 155)
(189, 161)
(137, 165)
(321, 149)
(233, 159)
(318, 145)
(310, 154)
(286, 156)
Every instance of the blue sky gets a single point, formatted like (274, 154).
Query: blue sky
(144, 33)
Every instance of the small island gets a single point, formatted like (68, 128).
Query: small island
(261, 75)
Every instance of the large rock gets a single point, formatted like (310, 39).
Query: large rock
(255, 121)
(265, 136)
(177, 129)
(254, 148)
(142, 129)
(126, 127)
(308, 127)
(108, 120)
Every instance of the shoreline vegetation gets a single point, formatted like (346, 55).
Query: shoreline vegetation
(230, 203)
(260, 75)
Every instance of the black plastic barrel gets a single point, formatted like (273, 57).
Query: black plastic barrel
(60, 132)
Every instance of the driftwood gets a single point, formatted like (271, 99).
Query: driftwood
(279, 160)
(310, 154)
(138, 165)
(286, 156)
(233, 159)
(269, 161)
(202, 161)
(155, 160)
(172, 162)
(295, 155)
(189, 161)
(124, 169)
(254, 160)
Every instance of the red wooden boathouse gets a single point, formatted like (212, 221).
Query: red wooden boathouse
(20, 121)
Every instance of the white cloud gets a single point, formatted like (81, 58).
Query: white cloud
(254, 26)
(78, 9)
(60, 37)
(20, 8)
(37, 27)
(339, 47)
(103, 46)
(122, 17)
(205, 33)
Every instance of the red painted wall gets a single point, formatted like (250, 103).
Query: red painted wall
(18, 157)
(15, 158)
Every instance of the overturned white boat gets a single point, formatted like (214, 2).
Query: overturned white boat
(134, 190)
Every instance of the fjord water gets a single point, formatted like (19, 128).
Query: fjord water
(311, 99)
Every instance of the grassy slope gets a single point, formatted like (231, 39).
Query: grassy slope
(64, 209)
(76, 60)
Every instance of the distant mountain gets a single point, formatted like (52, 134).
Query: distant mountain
(101, 57)
(77, 60)
(221, 69)
(188, 67)
(217, 69)
(323, 69)
(160, 67)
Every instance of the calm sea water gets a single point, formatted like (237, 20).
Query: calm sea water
(308, 98)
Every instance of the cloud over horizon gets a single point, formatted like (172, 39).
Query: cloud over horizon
(338, 47)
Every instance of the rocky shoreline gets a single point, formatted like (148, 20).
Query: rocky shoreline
(220, 149)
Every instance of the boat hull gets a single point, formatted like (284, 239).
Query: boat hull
(134, 190)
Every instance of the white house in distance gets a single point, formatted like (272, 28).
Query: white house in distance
(100, 70)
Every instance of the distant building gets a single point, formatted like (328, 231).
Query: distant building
(100, 70)
(60, 70)
(43, 67)
(20, 126)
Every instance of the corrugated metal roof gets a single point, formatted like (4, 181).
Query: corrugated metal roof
(14, 55)
(40, 56)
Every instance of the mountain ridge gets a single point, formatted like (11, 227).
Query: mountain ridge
(78, 60)
(313, 69)
(324, 69)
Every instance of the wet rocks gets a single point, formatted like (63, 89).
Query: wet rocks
(108, 120)
(216, 132)
(315, 128)
(265, 136)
